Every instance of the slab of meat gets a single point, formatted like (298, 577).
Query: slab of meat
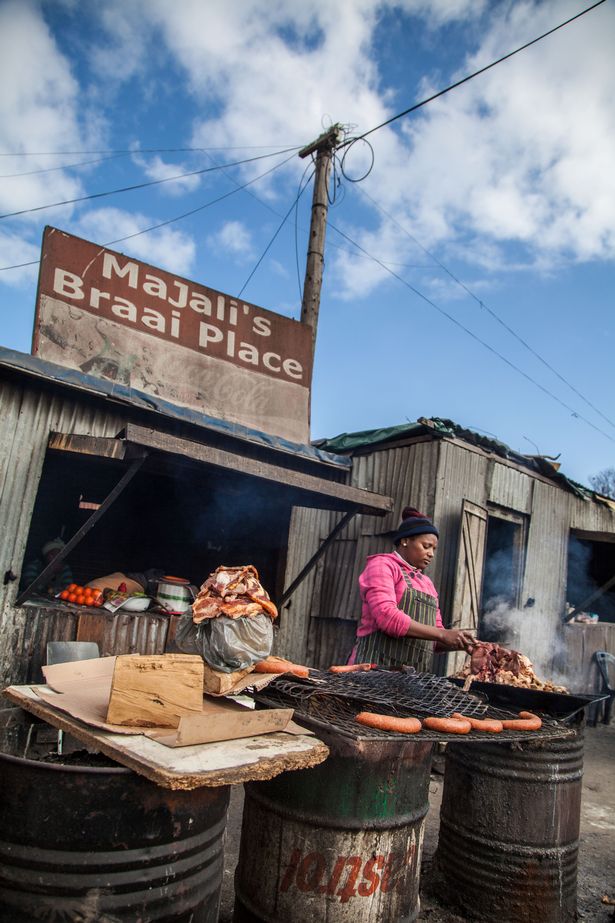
(234, 592)
(492, 663)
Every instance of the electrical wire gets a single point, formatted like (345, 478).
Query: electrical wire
(149, 150)
(474, 336)
(481, 70)
(156, 182)
(486, 307)
(64, 166)
(358, 179)
(279, 228)
(162, 224)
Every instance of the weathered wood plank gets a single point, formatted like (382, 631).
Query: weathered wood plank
(155, 691)
(316, 491)
(225, 763)
(87, 445)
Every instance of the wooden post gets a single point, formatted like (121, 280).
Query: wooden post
(324, 147)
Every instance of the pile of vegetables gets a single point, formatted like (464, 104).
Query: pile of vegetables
(82, 595)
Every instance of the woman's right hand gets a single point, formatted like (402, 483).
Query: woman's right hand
(457, 640)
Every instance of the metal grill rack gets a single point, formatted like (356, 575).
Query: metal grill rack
(331, 702)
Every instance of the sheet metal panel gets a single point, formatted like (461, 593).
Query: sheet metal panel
(462, 475)
(291, 630)
(28, 415)
(510, 488)
(591, 516)
(330, 595)
(99, 311)
(547, 549)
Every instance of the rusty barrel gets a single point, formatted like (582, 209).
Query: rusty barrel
(104, 844)
(339, 842)
(509, 829)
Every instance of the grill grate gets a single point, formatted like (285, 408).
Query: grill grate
(331, 702)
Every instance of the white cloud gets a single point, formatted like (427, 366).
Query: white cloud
(234, 238)
(521, 155)
(167, 247)
(14, 250)
(155, 168)
(38, 110)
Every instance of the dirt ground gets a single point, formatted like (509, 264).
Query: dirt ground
(597, 842)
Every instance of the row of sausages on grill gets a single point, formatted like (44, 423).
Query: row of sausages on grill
(456, 724)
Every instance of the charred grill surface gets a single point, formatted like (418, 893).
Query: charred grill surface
(332, 702)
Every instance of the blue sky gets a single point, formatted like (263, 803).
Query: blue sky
(494, 204)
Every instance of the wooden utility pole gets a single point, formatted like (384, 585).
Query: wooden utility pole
(324, 147)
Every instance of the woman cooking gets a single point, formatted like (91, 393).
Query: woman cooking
(400, 619)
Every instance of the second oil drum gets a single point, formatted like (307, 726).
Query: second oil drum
(509, 829)
(340, 842)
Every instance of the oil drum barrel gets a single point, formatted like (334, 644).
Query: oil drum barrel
(84, 843)
(509, 829)
(339, 842)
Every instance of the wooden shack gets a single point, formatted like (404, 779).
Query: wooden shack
(132, 483)
(520, 544)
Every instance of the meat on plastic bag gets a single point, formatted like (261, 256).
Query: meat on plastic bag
(227, 644)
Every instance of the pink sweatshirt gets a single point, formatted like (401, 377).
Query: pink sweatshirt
(382, 586)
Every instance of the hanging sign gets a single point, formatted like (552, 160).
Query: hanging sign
(115, 317)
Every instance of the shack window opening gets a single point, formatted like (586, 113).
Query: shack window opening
(503, 573)
(178, 518)
(591, 565)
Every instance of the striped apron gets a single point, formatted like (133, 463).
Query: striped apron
(394, 653)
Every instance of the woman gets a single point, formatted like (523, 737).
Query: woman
(400, 620)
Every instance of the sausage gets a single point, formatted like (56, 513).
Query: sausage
(352, 668)
(279, 665)
(525, 722)
(389, 722)
(448, 725)
(491, 725)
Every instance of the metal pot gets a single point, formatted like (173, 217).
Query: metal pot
(175, 594)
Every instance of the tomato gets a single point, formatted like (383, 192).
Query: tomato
(72, 597)
(97, 602)
(71, 587)
(64, 594)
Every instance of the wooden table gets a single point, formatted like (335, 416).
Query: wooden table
(224, 763)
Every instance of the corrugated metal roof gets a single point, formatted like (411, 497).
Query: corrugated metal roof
(34, 367)
(439, 427)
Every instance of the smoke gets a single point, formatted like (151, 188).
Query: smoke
(535, 634)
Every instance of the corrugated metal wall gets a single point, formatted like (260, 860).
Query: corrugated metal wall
(592, 517)
(462, 475)
(319, 626)
(28, 415)
(508, 487)
(436, 476)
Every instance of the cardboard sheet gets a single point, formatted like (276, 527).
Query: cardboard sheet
(226, 762)
(82, 688)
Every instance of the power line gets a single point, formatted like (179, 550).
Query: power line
(474, 336)
(148, 150)
(156, 182)
(453, 86)
(486, 307)
(64, 166)
(279, 228)
(161, 224)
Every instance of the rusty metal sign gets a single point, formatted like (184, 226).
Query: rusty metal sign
(115, 317)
